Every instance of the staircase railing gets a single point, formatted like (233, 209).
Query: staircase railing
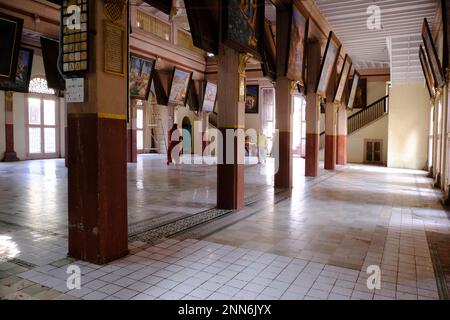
(364, 117)
(368, 115)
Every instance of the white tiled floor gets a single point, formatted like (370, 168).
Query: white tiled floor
(205, 270)
(317, 244)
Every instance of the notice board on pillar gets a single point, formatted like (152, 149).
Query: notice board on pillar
(75, 37)
(114, 44)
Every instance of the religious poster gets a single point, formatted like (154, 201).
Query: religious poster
(298, 36)
(252, 99)
(141, 71)
(23, 73)
(430, 49)
(10, 35)
(345, 73)
(427, 72)
(353, 90)
(179, 86)
(328, 63)
(243, 24)
(360, 98)
(209, 100)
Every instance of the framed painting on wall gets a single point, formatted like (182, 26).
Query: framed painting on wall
(210, 97)
(10, 35)
(329, 61)
(361, 93)
(243, 25)
(252, 99)
(179, 86)
(23, 73)
(430, 49)
(203, 17)
(343, 78)
(269, 67)
(158, 93)
(353, 90)
(298, 35)
(427, 72)
(141, 72)
(192, 101)
(445, 5)
(50, 54)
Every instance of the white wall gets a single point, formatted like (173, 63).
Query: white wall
(408, 126)
(19, 125)
(2, 124)
(377, 130)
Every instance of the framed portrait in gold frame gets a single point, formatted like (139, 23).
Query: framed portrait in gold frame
(329, 61)
(345, 73)
(427, 73)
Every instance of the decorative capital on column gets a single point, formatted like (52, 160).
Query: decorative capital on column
(294, 88)
(243, 59)
(9, 95)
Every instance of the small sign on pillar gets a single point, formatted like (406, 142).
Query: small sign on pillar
(75, 90)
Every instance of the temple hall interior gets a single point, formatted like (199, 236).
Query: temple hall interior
(224, 150)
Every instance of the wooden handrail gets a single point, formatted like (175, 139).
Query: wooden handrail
(367, 120)
(369, 107)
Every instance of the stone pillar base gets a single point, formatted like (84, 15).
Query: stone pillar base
(10, 157)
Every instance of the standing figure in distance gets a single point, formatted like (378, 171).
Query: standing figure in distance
(174, 140)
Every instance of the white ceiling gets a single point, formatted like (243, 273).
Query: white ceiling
(400, 33)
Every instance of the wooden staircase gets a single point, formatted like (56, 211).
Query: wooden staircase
(363, 118)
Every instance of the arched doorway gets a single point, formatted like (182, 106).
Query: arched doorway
(187, 134)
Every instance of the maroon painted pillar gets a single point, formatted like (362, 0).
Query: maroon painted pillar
(331, 125)
(341, 139)
(283, 112)
(97, 174)
(231, 118)
(283, 108)
(330, 136)
(132, 135)
(312, 112)
(10, 154)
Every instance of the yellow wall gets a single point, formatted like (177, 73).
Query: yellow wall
(375, 91)
(408, 126)
(253, 121)
(377, 130)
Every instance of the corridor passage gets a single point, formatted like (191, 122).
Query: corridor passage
(314, 242)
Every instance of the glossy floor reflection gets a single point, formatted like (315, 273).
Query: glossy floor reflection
(34, 193)
(314, 242)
